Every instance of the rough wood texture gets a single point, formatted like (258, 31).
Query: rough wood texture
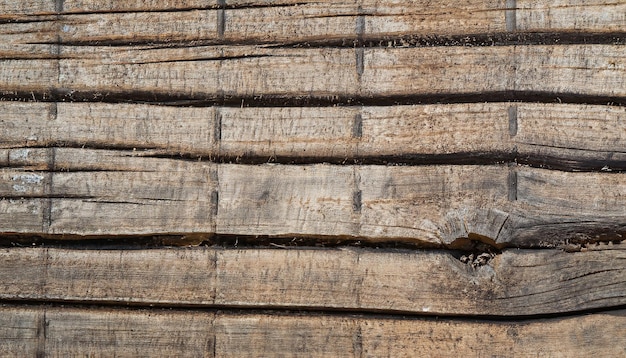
(301, 21)
(134, 333)
(106, 192)
(564, 135)
(249, 71)
(514, 283)
(100, 192)
(353, 83)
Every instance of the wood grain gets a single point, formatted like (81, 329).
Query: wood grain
(569, 136)
(133, 333)
(74, 167)
(77, 191)
(20, 331)
(513, 283)
(132, 21)
(594, 15)
(97, 191)
(145, 72)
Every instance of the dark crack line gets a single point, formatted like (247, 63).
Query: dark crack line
(363, 313)
(211, 99)
(351, 40)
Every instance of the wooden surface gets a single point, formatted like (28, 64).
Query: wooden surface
(299, 21)
(357, 178)
(138, 332)
(557, 135)
(513, 283)
(99, 192)
(143, 72)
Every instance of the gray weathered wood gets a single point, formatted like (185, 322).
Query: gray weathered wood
(516, 282)
(570, 135)
(249, 71)
(301, 21)
(20, 331)
(105, 192)
(134, 333)
(99, 192)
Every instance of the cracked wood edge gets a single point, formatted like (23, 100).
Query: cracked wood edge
(71, 191)
(514, 283)
(147, 73)
(288, 21)
(570, 135)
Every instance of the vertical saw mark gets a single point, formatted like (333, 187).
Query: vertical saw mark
(217, 129)
(53, 111)
(357, 126)
(357, 344)
(356, 201)
(41, 334)
(360, 25)
(513, 120)
(360, 66)
(59, 6)
(510, 15)
(221, 18)
(57, 54)
(214, 199)
(360, 52)
(512, 184)
(47, 202)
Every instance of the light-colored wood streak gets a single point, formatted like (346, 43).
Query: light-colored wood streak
(514, 283)
(551, 132)
(100, 192)
(215, 72)
(132, 333)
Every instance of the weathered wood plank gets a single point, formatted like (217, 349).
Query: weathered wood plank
(20, 330)
(133, 333)
(567, 135)
(585, 15)
(572, 67)
(363, 336)
(100, 192)
(250, 71)
(301, 21)
(129, 333)
(97, 191)
(286, 208)
(516, 282)
(8, 8)
(145, 72)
